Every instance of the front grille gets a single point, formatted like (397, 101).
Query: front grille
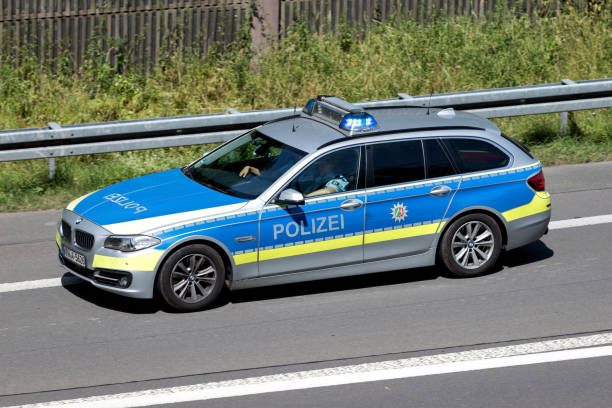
(66, 230)
(83, 239)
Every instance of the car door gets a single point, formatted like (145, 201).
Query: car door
(327, 230)
(405, 209)
(475, 159)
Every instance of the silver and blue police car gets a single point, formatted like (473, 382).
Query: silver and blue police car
(333, 191)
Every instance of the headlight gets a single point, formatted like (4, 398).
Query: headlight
(129, 243)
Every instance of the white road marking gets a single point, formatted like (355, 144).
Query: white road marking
(497, 357)
(580, 222)
(37, 284)
(54, 282)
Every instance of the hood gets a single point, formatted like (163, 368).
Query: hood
(153, 201)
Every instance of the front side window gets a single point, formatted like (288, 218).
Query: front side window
(395, 162)
(246, 166)
(335, 172)
(475, 155)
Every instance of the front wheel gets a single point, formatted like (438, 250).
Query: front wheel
(191, 278)
(471, 245)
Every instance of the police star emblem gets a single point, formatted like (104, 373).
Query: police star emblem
(398, 212)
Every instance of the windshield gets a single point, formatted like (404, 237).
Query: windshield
(246, 166)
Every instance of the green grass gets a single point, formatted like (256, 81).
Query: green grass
(387, 58)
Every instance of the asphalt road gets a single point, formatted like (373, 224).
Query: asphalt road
(75, 341)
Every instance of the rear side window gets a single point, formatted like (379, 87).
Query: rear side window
(438, 165)
(518, 144)
(475, 155)
(395, 162)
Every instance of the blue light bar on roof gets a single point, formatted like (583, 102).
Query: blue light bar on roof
(309, 106)
(358, 122)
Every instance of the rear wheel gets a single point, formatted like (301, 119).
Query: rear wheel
(471, 245)
(191, 278)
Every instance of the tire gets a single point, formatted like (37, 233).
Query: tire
(192, 278)
(466, 250)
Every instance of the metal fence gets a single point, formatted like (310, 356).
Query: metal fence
(138, 32)
(57, 141)
(122, 31)
(325, 15)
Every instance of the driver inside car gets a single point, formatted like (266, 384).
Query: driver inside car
(279, 165)
(328, 181)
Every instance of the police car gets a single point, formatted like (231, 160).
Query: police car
(333, 191)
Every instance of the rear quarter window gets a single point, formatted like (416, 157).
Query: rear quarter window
(518, 144)
(475, 155)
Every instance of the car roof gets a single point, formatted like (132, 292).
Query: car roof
(310, 133)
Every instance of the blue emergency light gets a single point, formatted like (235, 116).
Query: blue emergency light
(309, 105)
(358, 122)
(351, 118)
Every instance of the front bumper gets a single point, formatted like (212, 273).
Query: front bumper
(141, 282)
(104, 268)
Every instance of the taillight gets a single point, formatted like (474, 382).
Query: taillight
(537, 181)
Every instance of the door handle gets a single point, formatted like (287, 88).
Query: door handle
(351, 204)
(440, 191)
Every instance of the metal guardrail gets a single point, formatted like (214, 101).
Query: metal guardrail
(57, 141)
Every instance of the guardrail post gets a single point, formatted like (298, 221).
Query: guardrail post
(51, 168)
(51, 160)
(563, 123)
(563, 115)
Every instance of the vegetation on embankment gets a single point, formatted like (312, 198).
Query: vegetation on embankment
(387, 58)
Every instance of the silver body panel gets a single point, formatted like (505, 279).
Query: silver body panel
(142, 283)
(527, 230)
(407, 262)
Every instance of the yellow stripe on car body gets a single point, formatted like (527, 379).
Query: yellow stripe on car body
(245, 258)
(146, 262)
(311, 247)
(539, 203)
(76, 202)
(400, 233)
(338, 243)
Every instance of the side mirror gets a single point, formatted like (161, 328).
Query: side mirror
(290, 196)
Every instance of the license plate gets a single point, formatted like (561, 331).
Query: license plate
(74, 257)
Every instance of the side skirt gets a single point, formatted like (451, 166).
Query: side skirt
(415, 261)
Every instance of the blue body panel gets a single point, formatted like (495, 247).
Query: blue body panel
(154, 195)
(416, 207)
(319, 221)
(223, 229)
(501, 191)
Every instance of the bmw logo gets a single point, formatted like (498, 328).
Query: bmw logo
(78, 221)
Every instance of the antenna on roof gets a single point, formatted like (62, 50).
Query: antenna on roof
(293, 121)
(429, 103)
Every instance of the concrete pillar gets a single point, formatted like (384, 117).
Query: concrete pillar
(266, 22)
